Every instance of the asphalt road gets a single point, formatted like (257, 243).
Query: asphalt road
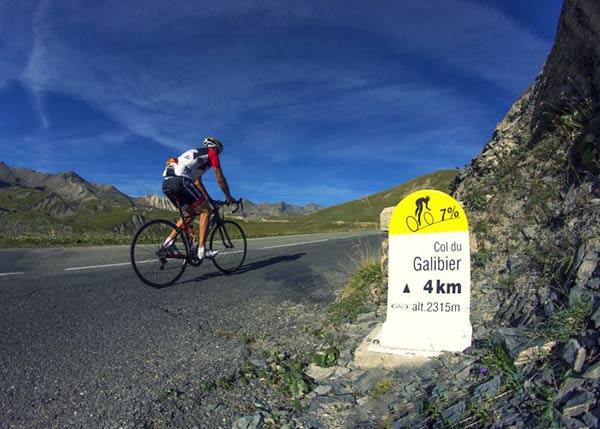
(84, 343)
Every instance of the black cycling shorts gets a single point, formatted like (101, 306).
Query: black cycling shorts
(182, 191)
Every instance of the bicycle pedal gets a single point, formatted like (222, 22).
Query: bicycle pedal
(195, 261)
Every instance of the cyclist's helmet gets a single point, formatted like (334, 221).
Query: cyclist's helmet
(213, 143)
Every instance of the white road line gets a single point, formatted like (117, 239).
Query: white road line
(12, 274)
(293, 244)
(120, 264)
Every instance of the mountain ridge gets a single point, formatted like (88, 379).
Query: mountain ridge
(251, 209)
(68, 185)
(70, 190)
(45, 209)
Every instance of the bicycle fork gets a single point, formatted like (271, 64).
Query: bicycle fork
(225, 237)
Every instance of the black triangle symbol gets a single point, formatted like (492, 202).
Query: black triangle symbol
(406, 289)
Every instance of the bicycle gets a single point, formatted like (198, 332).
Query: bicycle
(160, 266)
(413, 224)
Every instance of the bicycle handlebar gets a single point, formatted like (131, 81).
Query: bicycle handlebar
(217, 204)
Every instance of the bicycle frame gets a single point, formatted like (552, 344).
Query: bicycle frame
(214, 221)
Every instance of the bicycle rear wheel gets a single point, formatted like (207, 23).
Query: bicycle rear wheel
(152, 262)
(229, 239)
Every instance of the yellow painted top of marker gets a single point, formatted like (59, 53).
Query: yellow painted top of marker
(428, 211)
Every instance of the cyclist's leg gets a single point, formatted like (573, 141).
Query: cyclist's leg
(189, 216)
(171, 188)
(203, 209)
(178, 191)
(198, 206)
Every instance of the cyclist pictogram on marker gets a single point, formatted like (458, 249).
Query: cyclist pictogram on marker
(420, 203)
(424, 218)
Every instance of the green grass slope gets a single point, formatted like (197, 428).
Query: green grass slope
(367, 209)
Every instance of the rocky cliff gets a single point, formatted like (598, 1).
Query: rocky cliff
(155, 201)
(533, 201)
(532, 195)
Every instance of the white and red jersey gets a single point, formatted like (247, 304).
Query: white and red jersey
(193, 163)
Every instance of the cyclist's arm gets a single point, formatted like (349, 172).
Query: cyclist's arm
(223, 183)
(200, 185)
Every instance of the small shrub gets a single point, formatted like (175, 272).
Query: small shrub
(481, 258)
(507, 283)
(544, 408)
(382, 387)
(565, 323)
(286, 373)
(327, 358)
(476, 198)
(499, 362)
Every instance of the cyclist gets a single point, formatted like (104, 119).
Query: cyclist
(183, 184)
(420, 202)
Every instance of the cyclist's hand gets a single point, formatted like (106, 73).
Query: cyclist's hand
(230, 200)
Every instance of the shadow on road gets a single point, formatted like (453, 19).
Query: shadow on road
(248, 267)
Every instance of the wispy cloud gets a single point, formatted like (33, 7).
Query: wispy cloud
(33, 78)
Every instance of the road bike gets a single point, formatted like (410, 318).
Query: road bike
(158, 265)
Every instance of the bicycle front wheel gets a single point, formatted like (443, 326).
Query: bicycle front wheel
(154, 264)
(229, 239)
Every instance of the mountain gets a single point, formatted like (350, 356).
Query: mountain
(265, 210)
(68, 187)
(66, 209)
(251, 210)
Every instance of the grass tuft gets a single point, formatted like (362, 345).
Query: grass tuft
(356, 297)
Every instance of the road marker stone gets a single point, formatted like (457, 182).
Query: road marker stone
(429, 277)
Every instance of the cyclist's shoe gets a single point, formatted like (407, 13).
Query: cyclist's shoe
(208, 254)
(172, 251)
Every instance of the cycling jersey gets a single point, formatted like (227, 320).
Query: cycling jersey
(193, 163)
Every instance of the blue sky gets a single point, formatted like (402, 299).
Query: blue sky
(315, 101)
